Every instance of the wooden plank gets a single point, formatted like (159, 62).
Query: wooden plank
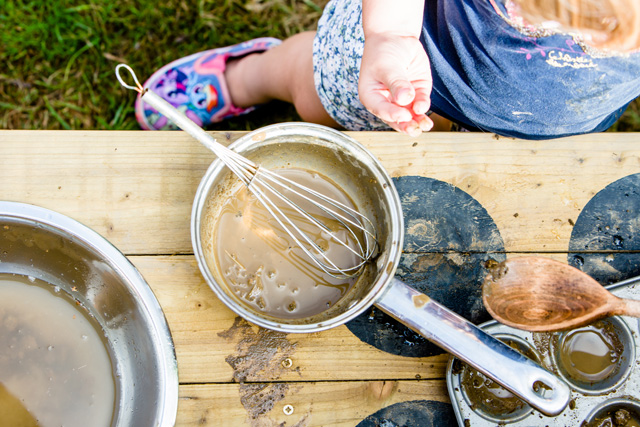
(134, 188)
(533, 190)
(137, 187)
(336, 404)
(210, 340)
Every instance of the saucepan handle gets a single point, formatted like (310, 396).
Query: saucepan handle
(535, 385)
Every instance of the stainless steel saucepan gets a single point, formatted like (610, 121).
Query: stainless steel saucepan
(352, 167)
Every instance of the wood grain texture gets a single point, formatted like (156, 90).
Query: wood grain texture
(339, 404)
(136, 189)
(199, 320)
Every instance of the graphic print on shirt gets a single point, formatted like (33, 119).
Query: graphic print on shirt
(571, 56)
(574, 55)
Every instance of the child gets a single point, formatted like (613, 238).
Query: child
(524, 68)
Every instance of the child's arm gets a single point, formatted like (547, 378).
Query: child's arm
(395, 74)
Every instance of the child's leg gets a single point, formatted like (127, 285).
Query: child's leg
(284, 72)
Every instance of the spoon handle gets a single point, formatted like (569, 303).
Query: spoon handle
(628, 307)
(474, 346)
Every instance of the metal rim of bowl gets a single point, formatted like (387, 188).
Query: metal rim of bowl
(168, 387)
(385, 275)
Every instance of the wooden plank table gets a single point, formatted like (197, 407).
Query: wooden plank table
(467, 197)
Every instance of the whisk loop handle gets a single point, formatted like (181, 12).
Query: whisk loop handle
(138, 87)
(187, 125)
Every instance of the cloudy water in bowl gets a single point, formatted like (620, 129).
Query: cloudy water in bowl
(55, 369)
(263, 266)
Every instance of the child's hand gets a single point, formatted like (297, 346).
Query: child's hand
(395, 82)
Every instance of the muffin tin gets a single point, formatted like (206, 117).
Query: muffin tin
(598, 362)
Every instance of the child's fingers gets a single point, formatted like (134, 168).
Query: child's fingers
(410, 119)
(380, 105)
(410, 128)
(402, 91)
(421, 105)
(422, 98)
(396, 80)
(414, 127)
(423, 122)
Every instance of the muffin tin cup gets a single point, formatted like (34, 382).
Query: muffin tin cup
(611, 409)
(488, 399)
(598, 362)
(602, 379)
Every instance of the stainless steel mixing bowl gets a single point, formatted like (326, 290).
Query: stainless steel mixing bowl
(40, 243)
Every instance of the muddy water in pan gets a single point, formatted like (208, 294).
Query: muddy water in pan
(617, 418)
(591, 353)
(264, 267)
(55, 369)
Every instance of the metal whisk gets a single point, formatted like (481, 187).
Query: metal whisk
(268, 188)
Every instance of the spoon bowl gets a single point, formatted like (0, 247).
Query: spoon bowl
(542, 295)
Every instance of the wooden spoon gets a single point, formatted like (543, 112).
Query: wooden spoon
(540, 294)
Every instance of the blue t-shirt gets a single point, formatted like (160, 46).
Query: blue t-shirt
(492, 75)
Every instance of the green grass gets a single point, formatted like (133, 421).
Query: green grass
(57, 57)
(630, 120)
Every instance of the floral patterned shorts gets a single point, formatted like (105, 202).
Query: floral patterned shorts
(337, 50)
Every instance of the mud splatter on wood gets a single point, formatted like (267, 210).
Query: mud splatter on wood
(259, 399)
(259, 356)
(259, 352)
